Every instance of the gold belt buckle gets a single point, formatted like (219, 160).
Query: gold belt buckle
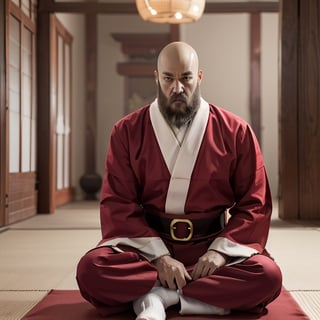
(172, 228)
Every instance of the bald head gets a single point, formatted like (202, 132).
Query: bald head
(178, 54)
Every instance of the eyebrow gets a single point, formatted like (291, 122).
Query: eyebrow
(187, 73)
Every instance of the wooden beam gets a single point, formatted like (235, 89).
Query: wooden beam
(130, 8)
(143, 44)
(129, 69)
(174, 32)
(17, 12)
(91, 93)
(240, 7)
(309, 109)
(255, 73)
(88, 7)
(45, 133)
(288, 111)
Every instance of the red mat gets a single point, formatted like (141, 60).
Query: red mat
(69, 305)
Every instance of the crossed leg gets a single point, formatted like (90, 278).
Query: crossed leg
(111, 281)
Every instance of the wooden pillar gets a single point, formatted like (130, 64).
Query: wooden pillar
(288, 109)
(299, 109)
(174, 32)
(91, 92)
(45, 133)
(91, 181)
(255, 73)
(309, 108)
(3, 120)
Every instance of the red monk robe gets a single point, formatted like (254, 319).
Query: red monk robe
(228, 173)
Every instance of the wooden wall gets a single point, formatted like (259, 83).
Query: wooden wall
(299, 109)
(22, 198)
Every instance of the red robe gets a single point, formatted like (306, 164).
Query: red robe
(229, 173)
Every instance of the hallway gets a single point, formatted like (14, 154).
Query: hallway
(41, 253)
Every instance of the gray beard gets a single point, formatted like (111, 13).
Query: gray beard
(178, 117)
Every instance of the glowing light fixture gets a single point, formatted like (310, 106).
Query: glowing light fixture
(170, 11)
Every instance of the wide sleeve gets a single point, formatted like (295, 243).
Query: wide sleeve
(247, 229)
(121, 213)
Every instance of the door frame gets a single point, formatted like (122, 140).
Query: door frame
(48, 198)
(64, 195)
(3, 121)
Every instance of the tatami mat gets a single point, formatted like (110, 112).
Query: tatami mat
(41, 253)
(40, 260)
(309, 302)
(14, 304)
(78, 215)
(294, 250)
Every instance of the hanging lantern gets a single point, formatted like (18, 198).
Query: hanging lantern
(170, 11)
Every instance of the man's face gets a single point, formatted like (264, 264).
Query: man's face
(178, 89)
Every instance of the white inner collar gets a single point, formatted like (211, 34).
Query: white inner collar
(180, 133)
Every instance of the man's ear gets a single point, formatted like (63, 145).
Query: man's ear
(200, 75)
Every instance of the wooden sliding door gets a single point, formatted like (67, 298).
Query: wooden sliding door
(61, 105)
(21, 111)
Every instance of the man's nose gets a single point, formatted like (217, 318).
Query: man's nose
(177, 87)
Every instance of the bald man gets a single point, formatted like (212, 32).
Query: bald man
(173, 170)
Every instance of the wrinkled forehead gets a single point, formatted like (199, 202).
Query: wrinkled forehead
(178, 60)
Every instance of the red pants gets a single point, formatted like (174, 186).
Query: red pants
(111, 281)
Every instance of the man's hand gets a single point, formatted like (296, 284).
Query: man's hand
(171, 272)
(207, 264)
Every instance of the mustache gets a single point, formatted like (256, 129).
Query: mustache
(178, 96)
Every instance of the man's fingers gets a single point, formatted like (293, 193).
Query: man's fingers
(207, 264)
(187, 275)
(163, 282)
(171, 284)
(196, 273)
(171, 272)
(179, 275)
(202, 270)
(180, 281)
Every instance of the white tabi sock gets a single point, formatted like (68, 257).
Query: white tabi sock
(169, 297)
(152, 305)
(193, 306)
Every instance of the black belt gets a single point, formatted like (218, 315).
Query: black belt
(186, 227)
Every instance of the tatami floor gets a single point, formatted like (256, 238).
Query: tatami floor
(41, 253)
